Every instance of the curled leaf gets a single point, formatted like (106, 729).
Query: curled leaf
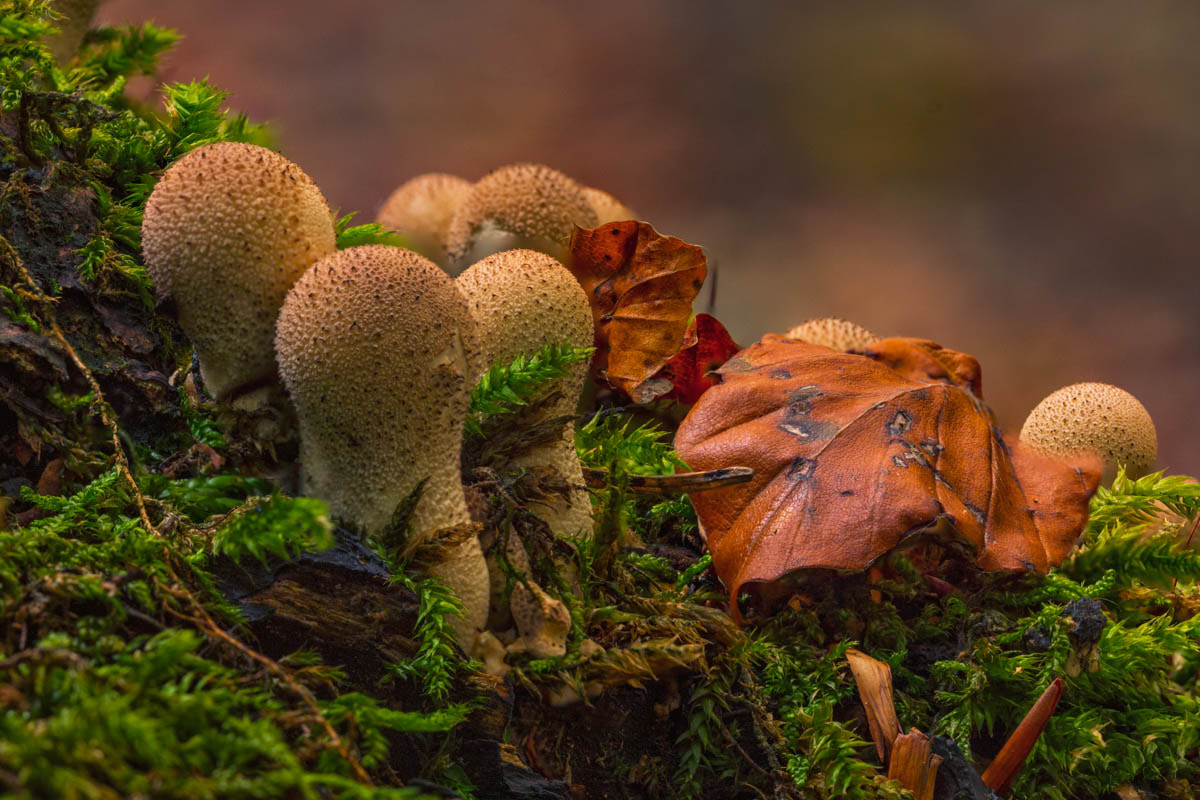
(853, 458)
(641, 285)
(706, 346)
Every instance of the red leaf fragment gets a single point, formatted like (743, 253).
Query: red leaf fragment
(706, 346)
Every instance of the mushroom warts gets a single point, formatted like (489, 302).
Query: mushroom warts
(518, 206)
(227, 230)
(374, 344)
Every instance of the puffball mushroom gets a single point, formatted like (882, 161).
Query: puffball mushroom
(1096, 417)
(374, 347)
(608, 208)
(421, 210)
(227, 230)
(835, 333)
(523, 301)
(519, 206)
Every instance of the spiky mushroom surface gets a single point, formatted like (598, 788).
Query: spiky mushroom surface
(518, 206)
(374, 344)
(522, 301)
(1097, 417)
(607, 208)
(834, 333)
(421, 210)
(227, 231)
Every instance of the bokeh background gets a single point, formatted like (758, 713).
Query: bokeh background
(1019, 180)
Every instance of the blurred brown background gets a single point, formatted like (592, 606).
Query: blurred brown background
(1018, 180)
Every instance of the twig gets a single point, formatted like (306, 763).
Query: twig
(738, 746)
(98, 403)
(1008, 762)
(23, 142)
(874, 680)
(205, 623)
(679, 483)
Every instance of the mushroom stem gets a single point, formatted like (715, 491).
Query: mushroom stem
(523, 301)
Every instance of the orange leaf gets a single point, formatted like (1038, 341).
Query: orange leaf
(641, 285)
(924, 360)
(706, 346)
(853, 458)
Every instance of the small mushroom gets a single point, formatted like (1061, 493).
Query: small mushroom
(374, 344)
(834, 333)
(1095, 417)
(227, 230)
(421, 210)
(543, 622)
(519, 206)
(523, 301)
(607, 208)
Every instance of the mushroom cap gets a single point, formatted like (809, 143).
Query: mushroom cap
(523, 301)
(1095, 417)
(607, 208)
(227, 230)
(832, 332)
(518, 206)
(421, 210)
(374, 346)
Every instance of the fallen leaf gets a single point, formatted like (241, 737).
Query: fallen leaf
(706, 346)
(925, 360)
(853, 458)
(50, 484)
(641, 285)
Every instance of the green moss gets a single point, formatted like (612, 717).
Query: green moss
(371, 233)
(123, 669)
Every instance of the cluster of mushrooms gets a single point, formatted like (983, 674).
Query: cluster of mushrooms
(378, 347)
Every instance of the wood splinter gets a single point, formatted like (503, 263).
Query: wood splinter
(874, 679)
(914, 764)
(679, 483)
